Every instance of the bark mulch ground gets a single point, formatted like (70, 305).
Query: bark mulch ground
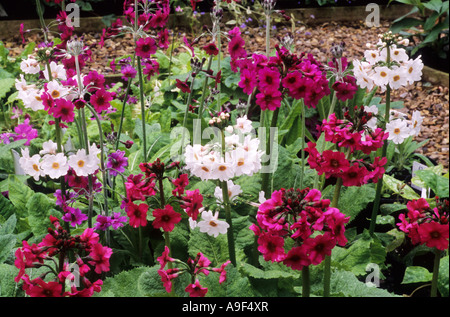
(431, 100)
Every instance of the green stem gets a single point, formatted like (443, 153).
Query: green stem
(306, 284)
(122, 115)
(437, 259)
(267, 177)
(226, 202)
(205, 86)
(141, 95)
(376, 203)
(41, 19)
(102, 166)
(327, 261)
(268, 35)
(219, 46)
(302, 154)
(58, 140)
(183, 136)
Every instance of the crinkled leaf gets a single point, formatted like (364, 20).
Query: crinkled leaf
(443, 277)
(416, 274)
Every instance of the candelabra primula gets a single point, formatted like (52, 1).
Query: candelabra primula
(301, 216)
(196, 267)
(53, 253)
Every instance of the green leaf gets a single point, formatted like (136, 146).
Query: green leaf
(19, 194)
(387, 209)
(5, 86)
(40, 207)
(6, 208)
(267, 274)
(215, 249)
(236, 284)
(433, 5)
(346, 284)
(438, 184)
(7, 243)
(416, 274)
(124, 284)
(8, 287)
(443, 277)
(366, 249)
(9, 226)
(400, 188)
(430, 22)
(405, 24)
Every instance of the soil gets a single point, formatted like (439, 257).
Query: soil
(316, 38)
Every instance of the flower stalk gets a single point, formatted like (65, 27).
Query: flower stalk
(434, 280)
(228, 218)
(376, 203)
(142, 100)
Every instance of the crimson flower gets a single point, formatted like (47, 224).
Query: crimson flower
(63, 110)
(166, 218)
(183, 86)
(434, 235)
(100, 258)
(101, 100)
(211, 49)
(236, 48)
(196, 290)
(269, 99)
(137, 214)
(192, 203)
(145, 47)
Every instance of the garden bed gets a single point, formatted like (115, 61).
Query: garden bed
(105, 194)
(430, 96)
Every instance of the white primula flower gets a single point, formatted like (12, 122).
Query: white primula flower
(32, 165)
(398, 131)
(222, 171)
(56, 90)
(372, 56)
(233, 192)
(82, 164)
(416, 123)
(243, 161)
(244, 124)
(57, 71)
(49, 147)
(30, 66)
(399, 54)
(381, 76)
(55, 166)
(29, 94)
(414, 69)
(211, 225)
(398, 77)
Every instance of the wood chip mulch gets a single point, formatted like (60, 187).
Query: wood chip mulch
(431, 100)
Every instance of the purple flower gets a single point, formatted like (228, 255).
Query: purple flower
(103, 222)
(128, 72)
(117, 162)
(25, 131)
(6, 137)
(117, 220)
(74, 216)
